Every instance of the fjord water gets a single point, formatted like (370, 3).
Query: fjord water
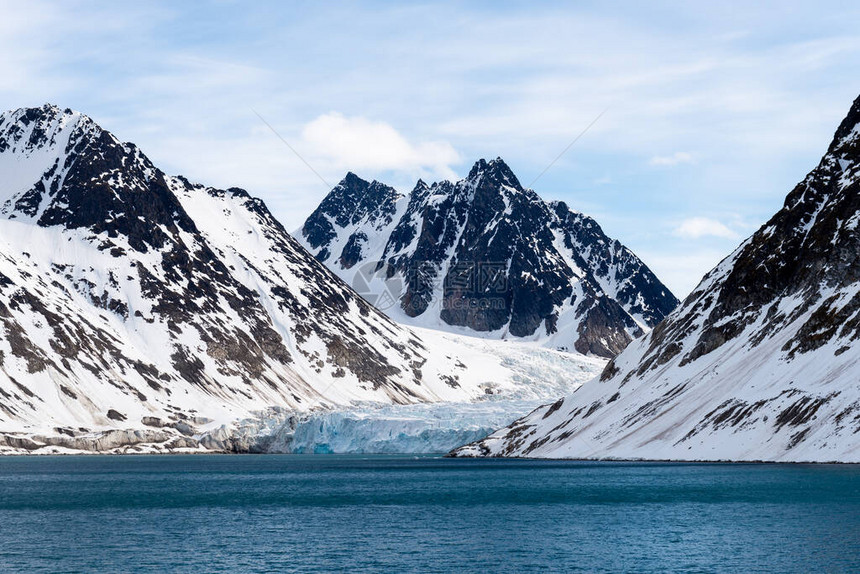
(397, 513)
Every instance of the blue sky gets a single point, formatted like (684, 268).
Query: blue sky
(714, 111)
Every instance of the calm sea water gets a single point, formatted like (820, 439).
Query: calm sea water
(387, 513)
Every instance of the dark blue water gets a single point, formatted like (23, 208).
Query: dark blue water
(358, 513)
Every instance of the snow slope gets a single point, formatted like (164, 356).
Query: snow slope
(140, 311)
(485, 256)
(760, 362)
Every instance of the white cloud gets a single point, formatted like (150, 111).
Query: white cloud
(676, 158)
(696, 227)
(256, 159)
(359, 143)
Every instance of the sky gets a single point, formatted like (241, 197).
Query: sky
(707, 114)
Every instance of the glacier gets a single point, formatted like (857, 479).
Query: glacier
(379, 429)
(515, 377)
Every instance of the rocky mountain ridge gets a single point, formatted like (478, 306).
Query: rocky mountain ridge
(486, 256)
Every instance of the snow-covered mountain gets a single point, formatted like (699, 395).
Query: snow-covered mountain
(141, 309)
(761, 361)
(486, 256)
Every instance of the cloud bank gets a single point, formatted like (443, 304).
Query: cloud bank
(697, 227)
(357, 143)
(670, 160)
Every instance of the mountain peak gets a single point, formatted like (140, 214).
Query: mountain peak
(26, 129)
(45, 111)
(351, 179)
(848, 129)
(352, 200)
(43, 115)
(496, 171)
(63, 169)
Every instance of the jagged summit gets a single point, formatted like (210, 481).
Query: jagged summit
(496, 172)
(352, 201)
(27, 129)
(847, 131)
(485, 255)
(63, 169)
(760, 362)
(45, 113)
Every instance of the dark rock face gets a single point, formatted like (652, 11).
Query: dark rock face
(351, 201)
(487, 254)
